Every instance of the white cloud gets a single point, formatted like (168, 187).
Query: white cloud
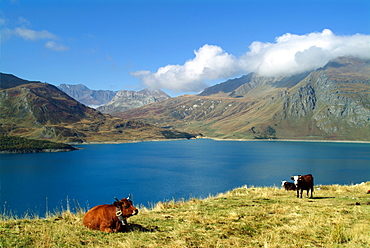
(210, 63)
(29, 34)
(289, 54)
(23, 21)
(299, 53)
(54, 46)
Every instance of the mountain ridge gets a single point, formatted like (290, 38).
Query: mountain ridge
(9, 81)
(87, 96)
(42, 111)
(128, 99)
(108, 101)
(330, 103)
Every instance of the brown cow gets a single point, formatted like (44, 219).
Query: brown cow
(303, 183)
(110, 217)
(288, 185)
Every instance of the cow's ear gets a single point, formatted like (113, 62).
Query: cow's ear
(117, 203)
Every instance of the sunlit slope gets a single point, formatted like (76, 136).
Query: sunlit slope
(332, 102)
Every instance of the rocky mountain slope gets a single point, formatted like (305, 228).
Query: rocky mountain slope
(42, 111)
(107, 101)
(331, 103)
(127, 99)
(84, 95)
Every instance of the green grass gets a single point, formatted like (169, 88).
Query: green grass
(337, 216)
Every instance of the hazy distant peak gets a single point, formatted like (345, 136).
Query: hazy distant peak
(87, 96)
(73, 86)
(128, 99)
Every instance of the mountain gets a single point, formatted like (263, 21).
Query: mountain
(86, 96)
(227, 87)
(9, 81)
(330, 103)
(42, 111)
(126, 99)
(239, 87)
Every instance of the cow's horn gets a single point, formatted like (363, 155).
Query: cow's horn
(116, 199)
(129, 195)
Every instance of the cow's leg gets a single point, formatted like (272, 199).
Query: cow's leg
(120, 227)
(301, 192)
(124, 228)
(105, 227)
(297, 193)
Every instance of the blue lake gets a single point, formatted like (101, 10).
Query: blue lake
(159, 171)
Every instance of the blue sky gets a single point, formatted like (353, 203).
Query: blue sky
(177, 46)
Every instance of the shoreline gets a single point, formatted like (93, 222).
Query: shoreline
(120, 142)
(317, 187)
(164, 140)
(37, 151)
(293, 140)
(220, 139)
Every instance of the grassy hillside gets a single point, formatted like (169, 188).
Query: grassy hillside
(338, 216)
(41, 111)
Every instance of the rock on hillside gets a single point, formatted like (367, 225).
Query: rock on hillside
(334, 100)
(42, 111)
(92, 98)
(330, 103)
(126, 99)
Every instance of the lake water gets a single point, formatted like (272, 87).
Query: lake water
(159, 171)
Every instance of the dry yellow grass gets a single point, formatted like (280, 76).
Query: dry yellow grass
(337, 216)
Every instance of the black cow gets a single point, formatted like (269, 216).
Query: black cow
(288, 185)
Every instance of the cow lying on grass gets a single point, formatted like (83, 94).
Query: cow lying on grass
(110, 217)
(288, 185)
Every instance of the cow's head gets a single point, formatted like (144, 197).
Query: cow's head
(297, 179)
(283, 183)
(126, 207)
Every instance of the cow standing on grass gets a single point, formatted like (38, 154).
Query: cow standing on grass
(110, 217)
(303, 183)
